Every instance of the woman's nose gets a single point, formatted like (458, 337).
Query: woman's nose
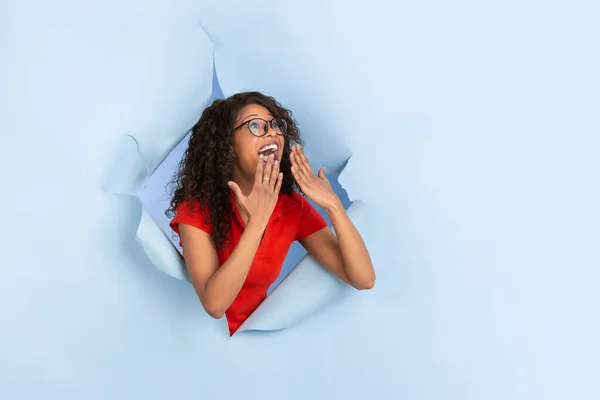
(270, 131)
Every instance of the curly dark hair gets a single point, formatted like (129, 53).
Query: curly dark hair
(205, 168)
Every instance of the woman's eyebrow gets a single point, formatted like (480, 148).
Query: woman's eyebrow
(251, 115)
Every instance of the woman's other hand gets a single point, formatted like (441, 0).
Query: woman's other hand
(316, 188)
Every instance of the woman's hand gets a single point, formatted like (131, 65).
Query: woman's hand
(260, 202)
(316, 188)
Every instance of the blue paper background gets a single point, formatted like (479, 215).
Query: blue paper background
(473, 129)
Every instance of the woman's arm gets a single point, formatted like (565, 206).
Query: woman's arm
(345, 253)
(218, 287)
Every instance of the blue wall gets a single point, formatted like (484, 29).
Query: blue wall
(473, 132)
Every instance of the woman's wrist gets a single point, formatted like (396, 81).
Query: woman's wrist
(256, 225)
(334, 206)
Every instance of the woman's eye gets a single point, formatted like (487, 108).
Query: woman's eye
(253, 125)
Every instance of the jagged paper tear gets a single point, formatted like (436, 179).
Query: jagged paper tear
(129, 169)
(164, 124)
(159, 248)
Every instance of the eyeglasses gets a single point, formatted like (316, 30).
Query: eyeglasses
(259, 127)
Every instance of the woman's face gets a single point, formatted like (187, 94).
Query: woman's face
(247, 146)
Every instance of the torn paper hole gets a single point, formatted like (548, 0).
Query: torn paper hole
(288, 304)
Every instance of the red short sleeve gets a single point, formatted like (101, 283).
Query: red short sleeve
(311, 221)
(193, 216)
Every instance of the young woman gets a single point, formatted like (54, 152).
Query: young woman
(237, 208)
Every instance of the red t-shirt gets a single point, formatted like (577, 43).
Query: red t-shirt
(293, 218)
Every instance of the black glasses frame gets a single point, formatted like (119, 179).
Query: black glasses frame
(268, 124)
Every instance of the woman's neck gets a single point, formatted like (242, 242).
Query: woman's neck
(242, 181)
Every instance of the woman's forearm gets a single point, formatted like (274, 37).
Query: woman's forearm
(225, 284)
(357, 261)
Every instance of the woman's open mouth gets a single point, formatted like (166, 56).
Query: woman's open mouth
(269, 149)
